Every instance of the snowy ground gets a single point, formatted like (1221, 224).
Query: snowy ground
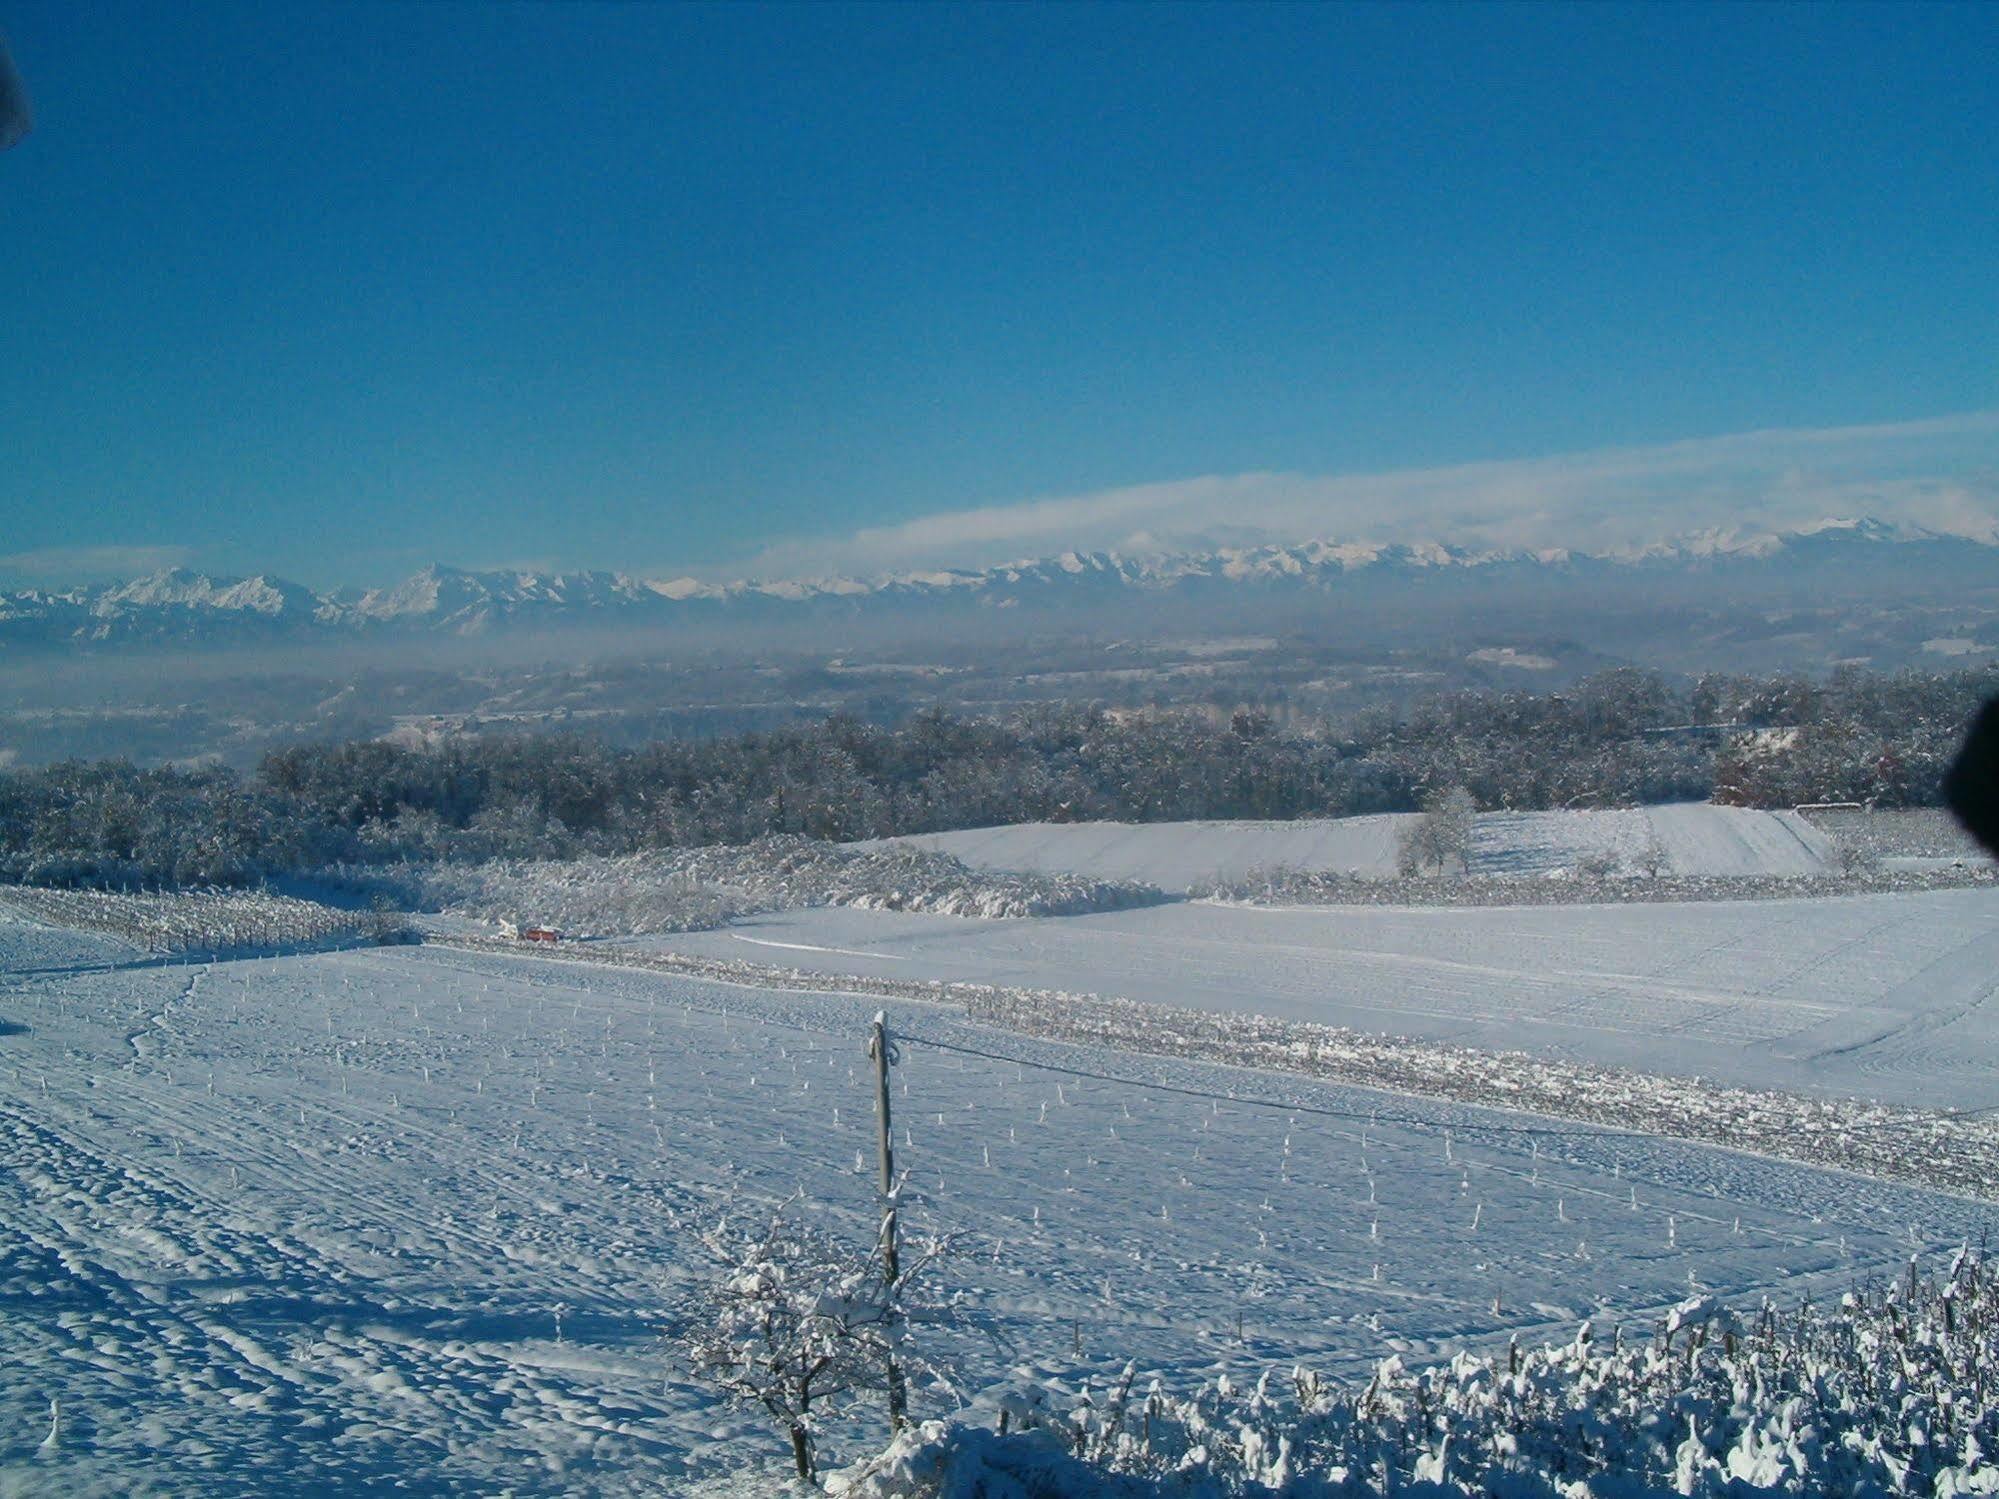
(317, 1213)
(1698, 840)
(1879, 996)
(1901, 838)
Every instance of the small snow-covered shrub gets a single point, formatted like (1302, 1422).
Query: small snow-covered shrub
(1284, 885)
(1599, 864)
(628, 897)
(1855, 857)
(935, 1459)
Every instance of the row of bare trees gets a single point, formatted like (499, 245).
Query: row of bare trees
(1621, 738)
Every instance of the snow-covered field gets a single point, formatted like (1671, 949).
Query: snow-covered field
(1877, 996)
(1697, 839)
(320, 1214)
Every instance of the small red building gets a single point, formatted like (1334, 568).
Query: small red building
(540, 934)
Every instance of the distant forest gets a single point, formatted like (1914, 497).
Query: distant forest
(1620, 738)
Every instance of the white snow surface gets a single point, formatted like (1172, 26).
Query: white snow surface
(306, 1219)
(1886, 996)
(1698, 839)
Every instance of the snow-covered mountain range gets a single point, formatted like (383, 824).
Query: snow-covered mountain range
(187, 608)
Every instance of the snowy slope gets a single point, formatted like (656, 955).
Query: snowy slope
(317, 1214)
(1698, 839)
(1880, 996)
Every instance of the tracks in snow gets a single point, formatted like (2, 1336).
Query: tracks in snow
(176, 1259)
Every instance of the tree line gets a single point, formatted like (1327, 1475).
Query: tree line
(1623, 737)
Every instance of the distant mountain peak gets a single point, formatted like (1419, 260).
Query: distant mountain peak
(188, 607)
(1864, 528)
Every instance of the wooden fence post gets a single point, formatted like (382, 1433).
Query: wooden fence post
(878, 1049)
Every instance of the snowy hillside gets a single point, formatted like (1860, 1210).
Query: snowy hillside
(1878, 996)
(1697, 839)
(437, 1211)
(414, 1214)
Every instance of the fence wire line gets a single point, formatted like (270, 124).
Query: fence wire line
(1371, 1116)
(757, 1019)
(1578, 1130)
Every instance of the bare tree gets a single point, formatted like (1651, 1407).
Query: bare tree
(1855, 858)
(1440, 837)
(800, 1325)
(1599, 864)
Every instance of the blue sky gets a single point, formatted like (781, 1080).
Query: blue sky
(336, 290)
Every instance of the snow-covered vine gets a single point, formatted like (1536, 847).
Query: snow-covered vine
(1886, 1392)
